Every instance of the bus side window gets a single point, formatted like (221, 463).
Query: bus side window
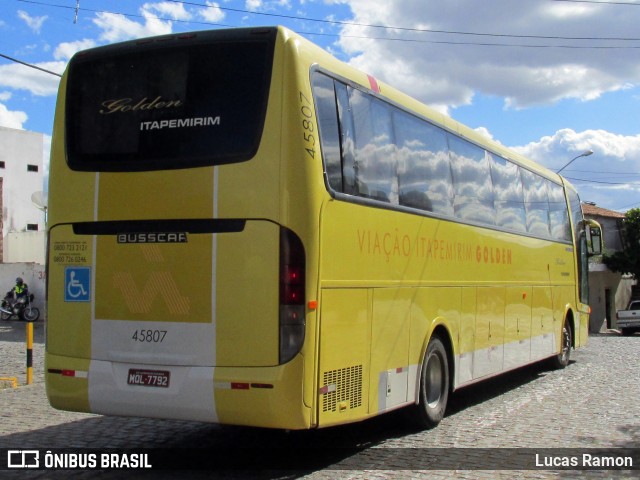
(424, 173)
(508, 194)
(558, 213)
(376, 173)
(472, 183)
(536, 203)
(347, 143)
(326, 107)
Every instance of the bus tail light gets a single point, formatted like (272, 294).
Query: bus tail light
(292, 295)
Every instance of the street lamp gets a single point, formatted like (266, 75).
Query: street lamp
(583, 154)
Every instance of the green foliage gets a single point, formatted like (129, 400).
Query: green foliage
(627, 260)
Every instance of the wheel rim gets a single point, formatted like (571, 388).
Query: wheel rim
(433, 385)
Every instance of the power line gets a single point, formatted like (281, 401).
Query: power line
(132, 15)
(407, 29)
(408, 40)
(29, 65)
(603, 172)
(633, 184)
(628, 206)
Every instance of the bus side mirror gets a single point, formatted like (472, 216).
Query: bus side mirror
(594, 237)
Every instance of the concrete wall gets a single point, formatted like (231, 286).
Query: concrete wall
(34, 276)
(21, 152)
(25, 247)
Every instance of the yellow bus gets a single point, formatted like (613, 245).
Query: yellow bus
(245, 230)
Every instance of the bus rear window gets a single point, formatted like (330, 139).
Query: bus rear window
(167, 105)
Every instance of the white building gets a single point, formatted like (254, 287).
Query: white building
(21, 174)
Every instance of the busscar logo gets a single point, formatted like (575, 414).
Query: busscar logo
(23, 459)
(153, 237)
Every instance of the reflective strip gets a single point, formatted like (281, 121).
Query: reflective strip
(69, 373)
(327, 389)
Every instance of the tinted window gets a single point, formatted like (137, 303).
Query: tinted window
(581, 245)
(168, 105)
(473, 190)
(558, 213)
(375, 148)
(389, 155)
(508, 194)
(576, 213)
(327, 114)
(424, 173)
(348, 147)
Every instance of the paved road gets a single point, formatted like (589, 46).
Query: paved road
(594, 402)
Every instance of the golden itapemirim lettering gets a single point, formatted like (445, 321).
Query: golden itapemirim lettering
(123, 105)
(395, 244)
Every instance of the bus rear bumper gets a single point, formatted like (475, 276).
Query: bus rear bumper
(253, 396)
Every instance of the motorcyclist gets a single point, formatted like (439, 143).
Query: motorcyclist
(21, 289)
(18, 302)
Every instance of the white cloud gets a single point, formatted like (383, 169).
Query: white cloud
(174, 10)
(609, 177)
(253, 5)
(555, 150)
(117, 27)
(34, 23)
(486, 133)
(427, 66)
(12, 119)
(66, 50)
(212, 13)
(21, 77)
(262, 6)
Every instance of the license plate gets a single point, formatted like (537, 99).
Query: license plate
(149, 378)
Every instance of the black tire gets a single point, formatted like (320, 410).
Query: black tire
(30, 314)
(5, 315)
(434, 385)
(625, 331)
(562, 359)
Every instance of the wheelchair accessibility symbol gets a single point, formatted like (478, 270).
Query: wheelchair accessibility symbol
(77, 284)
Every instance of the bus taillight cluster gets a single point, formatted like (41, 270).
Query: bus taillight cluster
(292, 295)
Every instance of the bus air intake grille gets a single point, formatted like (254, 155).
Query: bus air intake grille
(344, 385)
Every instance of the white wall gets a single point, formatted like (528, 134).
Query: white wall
(25, 247)
(18, 149)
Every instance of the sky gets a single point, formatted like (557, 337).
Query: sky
(551, 79)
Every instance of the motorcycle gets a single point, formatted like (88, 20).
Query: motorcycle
(21, 307)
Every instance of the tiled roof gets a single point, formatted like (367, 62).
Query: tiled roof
(590, 210)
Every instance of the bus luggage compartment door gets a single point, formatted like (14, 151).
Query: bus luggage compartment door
(200, 299)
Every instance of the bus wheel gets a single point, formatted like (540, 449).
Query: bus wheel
(562, 359)
(434, 385)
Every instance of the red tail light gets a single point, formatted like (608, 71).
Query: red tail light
(292, 295)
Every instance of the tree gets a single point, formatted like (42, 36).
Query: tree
(627, 260)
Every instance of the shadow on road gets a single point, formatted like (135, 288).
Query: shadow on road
(242, 452)
(15, 331)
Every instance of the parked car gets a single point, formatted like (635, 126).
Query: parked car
(629, 319)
